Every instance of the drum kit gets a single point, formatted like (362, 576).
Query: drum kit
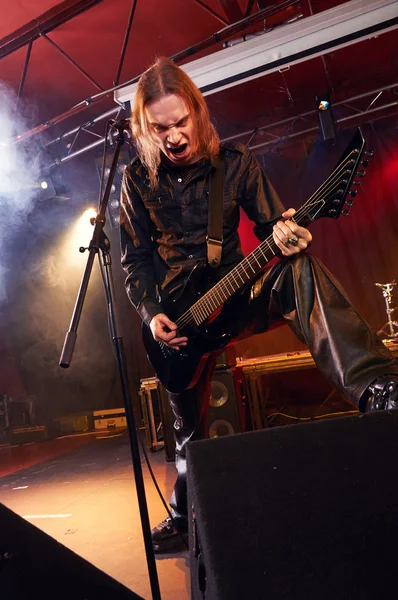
(390, 328)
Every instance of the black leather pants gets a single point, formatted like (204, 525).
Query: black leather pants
(303, 293)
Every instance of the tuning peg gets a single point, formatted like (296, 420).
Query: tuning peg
(361, 173)
(365, 163)
(368, 153)
(349, 202)
(353, 193)
(345, 213)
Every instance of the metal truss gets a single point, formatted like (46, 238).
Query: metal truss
(221, 35)
(369, 114)
(344, 25)
(336, 28)
(309, 115)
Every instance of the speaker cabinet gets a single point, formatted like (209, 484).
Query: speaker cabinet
(227, 411)
(305, 511)
(158, 417)
(35, 566)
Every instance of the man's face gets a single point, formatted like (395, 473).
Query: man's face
(173, 128)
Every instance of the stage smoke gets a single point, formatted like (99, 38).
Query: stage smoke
(18, 176)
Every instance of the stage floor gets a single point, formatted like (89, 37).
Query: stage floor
(87, 482)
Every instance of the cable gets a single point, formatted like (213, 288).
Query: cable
(145, 453)
(335, 414)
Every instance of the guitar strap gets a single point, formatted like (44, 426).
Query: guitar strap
(216, 213)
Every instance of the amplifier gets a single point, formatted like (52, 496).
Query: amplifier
(279, 380)
(79, 422)
(27, 435)
(111, 418)
(158, 417)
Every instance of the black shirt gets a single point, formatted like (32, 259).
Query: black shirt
(163, 230)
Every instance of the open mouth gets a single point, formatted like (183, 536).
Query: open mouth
(178, 149)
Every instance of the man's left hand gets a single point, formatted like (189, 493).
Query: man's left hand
(290, 237)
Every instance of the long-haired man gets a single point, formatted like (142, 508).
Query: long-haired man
(164, 226)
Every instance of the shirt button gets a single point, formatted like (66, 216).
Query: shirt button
(190, 256)
(179, 180)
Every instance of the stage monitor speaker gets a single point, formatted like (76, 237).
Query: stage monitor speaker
(35, 566)
(306, 511)
(227, 413)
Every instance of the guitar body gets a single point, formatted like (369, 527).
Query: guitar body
(179, 370)
(193, 311)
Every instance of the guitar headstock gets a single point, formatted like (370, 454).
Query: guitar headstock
(330, 197)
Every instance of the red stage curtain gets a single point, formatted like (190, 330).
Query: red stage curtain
(360, 249)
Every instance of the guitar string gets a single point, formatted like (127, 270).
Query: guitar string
(329, 184)
(240, 269)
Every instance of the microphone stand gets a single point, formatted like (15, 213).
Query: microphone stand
(99, 242)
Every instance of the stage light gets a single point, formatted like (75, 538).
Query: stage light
(325, 117)
(323, 105)
(89, 213)
(45, 188)
(114, 196)
(77, 235)
(114, 204)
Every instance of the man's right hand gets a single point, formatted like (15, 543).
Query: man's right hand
(164, 330)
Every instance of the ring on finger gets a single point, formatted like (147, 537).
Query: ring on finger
(293, 241)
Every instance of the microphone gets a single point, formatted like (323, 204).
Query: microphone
(123, 124)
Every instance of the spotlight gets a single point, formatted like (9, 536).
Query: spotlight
(114, 204)
(323, 105)
(114, 210)
(89, 213)
(325, 117)
(45, 188)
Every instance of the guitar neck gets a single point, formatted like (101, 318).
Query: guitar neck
(233, 281)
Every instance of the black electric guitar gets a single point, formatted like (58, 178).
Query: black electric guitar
(192, 311)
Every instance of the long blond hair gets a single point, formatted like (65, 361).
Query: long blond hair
(162, 79)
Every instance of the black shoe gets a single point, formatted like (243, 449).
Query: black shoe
(383, 393)
(166, 537)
